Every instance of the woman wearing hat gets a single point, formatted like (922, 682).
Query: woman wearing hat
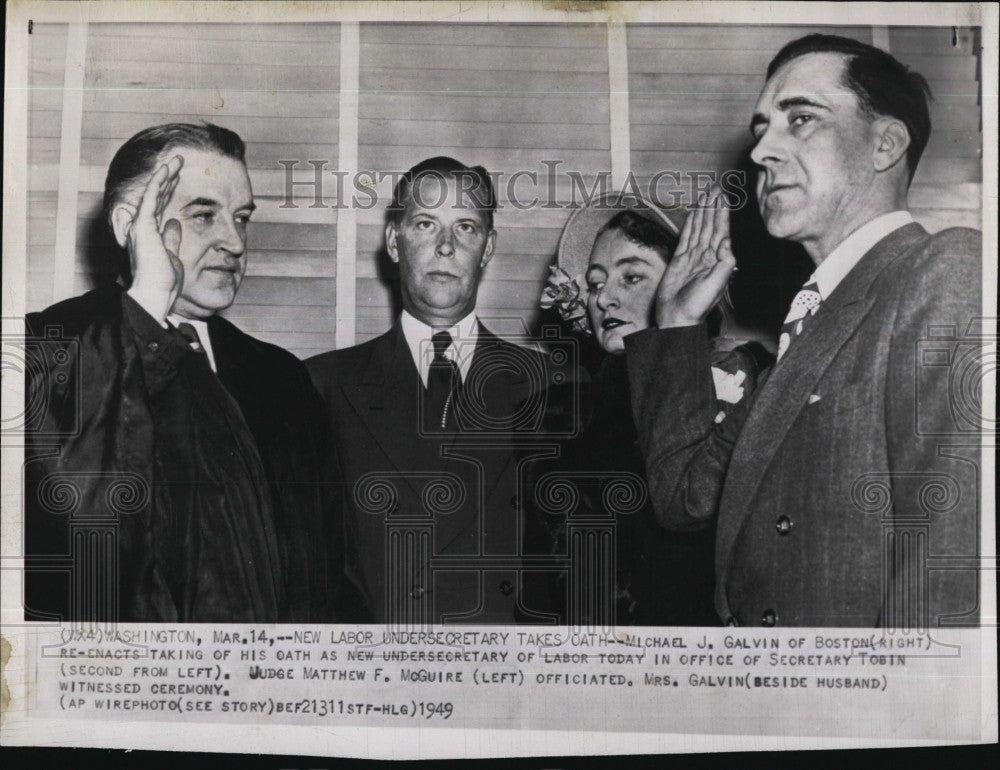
(612, 255)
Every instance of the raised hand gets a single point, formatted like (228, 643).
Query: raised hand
(699, 271)
(157, 272)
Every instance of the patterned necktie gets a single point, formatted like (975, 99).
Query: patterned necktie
(443, 381)
(803, 308)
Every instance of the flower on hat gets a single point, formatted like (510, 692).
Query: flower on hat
(564, 294)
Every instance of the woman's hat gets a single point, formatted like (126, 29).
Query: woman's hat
(585, 223)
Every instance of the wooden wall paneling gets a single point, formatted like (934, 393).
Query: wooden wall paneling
(278, 87)
(683, 120)
(46, 76)
(948, 184)
(63, 283)
(504, 96)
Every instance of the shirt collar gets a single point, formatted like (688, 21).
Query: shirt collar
(464, 335)
(838, 264)
(202, 328)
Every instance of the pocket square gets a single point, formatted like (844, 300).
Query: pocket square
(814, 398)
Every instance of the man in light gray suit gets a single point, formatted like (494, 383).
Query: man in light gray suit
(847, 491)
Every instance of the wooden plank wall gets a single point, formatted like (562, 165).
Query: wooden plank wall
(947, 190)
(692, 92)
(693, 88)
(47, 52)
(505, 96)
(277, 86)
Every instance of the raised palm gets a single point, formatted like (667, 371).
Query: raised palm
(153, 248)
(700, 268)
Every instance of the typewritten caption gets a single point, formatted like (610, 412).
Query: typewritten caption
(467, 677)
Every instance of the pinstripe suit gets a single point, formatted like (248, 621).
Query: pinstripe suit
(847, 491)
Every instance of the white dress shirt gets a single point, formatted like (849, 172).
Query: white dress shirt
(418, 335)
(841, 261)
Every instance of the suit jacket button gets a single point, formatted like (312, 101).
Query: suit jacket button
(513, 502)
(506, 588)
(416, 592)
(783, 525)
(769, 618)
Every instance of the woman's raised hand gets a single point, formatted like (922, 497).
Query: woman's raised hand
(699, 271)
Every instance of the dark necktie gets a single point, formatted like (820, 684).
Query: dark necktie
(190, 335)
(443, 382)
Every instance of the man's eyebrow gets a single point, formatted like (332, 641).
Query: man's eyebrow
(800, 101)
(760, 119)
(201, 202)
(635, 260)
(210, 203)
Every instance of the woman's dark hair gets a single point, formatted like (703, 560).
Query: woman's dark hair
(883, 85)
(644, 231)
(647, 232)
(138, 156)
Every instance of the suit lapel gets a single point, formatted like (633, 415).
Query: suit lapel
(500, 385)
(790, 383)
(386, 399)
(220, 336)
(241, 382)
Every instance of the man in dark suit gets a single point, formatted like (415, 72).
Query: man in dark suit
(175, 471)
(425, 415)
(847, 492)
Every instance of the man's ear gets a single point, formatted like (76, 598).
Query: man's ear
(891, 138)
(390, 241)
(491, 242)
(121, 221)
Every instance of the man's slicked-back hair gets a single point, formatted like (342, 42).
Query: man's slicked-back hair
(884, 85)
(474, 181)
(138, 157)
